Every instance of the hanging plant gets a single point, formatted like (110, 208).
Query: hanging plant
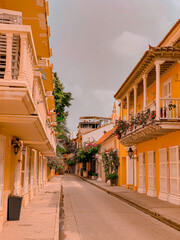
(141, 119)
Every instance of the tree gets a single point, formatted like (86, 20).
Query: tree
(62, 99)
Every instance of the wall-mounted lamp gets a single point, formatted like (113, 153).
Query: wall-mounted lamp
(16, 144)
(130, 152)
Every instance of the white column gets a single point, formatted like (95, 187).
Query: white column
(17, 175)
(35, 171)
(121, 110)
(23, 56)
(157, 64)
(26, 171)
(144, 90)
(2, 162)
(127, 96)
(135, 99)
(8, 70)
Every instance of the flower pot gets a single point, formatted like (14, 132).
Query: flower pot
(114, 181)
(94, 178)
(14, 208)
(61, 172)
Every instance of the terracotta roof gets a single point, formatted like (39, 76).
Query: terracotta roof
(170, 31)
(106, 136)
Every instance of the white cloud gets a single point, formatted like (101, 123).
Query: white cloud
(129, 45)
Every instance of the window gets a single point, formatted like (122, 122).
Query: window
(167, 89)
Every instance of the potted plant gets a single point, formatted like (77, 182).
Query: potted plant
(94, 176)
(90, 172)
(113, 178)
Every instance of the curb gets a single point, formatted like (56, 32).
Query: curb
(153, 214)
(56, 230)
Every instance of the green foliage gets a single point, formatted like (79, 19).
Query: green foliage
(110, 162)
(55, 163)
(90, 173)
(71, 162)
(112, 176)
(87, 153)
(62, 99)
(95, 174)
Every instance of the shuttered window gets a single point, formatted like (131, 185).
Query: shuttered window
(151, 174)
(141, 188)
(163, 174)
(174, 161)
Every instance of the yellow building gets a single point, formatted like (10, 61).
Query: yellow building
(150, 105)
(26, 100)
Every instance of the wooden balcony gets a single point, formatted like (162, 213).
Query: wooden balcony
(151, 128)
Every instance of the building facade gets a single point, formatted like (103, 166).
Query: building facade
(26, 100)
(150, 106)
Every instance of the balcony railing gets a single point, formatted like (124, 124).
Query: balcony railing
(17, 54)
(170, 109)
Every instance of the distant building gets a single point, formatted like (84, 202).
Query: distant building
(89, 123)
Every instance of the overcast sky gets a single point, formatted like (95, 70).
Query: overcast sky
(96, 43)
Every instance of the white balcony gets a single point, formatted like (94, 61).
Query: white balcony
(23, 105)
(151, 128)
(17, 60)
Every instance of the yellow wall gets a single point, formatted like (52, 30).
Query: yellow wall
(122, 166)
(168, 140)
(36, 16)
(50, 173)
(9, 173)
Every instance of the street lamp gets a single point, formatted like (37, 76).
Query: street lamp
(130, 154)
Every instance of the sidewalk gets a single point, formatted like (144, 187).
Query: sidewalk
(161, 210)
(40, 218)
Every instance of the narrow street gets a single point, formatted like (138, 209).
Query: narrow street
(91, 214)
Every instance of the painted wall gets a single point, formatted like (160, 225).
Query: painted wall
(168, 140)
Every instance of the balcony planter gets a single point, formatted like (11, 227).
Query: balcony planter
(14, 208)
(114, 182)
(94, 176)
(60, 171)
